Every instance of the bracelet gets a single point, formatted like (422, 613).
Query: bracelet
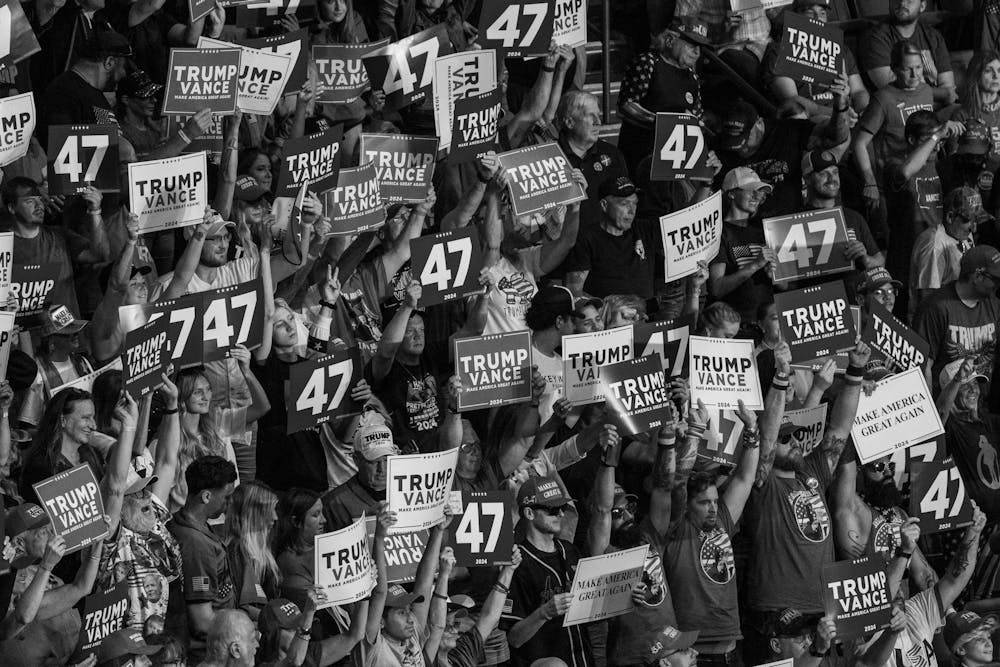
(779, 383)
(94, 211)
(751, 439)
(548, 68)
(304, 633)
(500, 587)
(440, 597)
(183, 136)
(780, 375)
(327, 304)
(856, 371)
(694, 428)
(170, 412)
(852, 381)
(903, 554)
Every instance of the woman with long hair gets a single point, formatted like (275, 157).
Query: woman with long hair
(981, 93)
(249, 524)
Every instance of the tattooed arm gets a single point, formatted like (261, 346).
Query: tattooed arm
(853, 518)
(774, 412)
(845, 409)
(664, 472)
(687, 453)
(959, 571)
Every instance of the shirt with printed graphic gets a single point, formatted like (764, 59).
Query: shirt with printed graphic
(885, 119)
(914, 648)
(740, 246)
(973, 444)
(788, 522)
(515, 285)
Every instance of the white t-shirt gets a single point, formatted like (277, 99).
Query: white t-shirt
(515, 286)
(238, 271)
(550, 368)
(387, 652)
(914, 647)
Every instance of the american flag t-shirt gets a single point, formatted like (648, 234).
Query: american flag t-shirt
(746, 253)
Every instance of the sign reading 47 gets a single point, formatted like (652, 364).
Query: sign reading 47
(483, 535)
(404, 70)
(518, 29)
(447, 265)
(320, 389)
(938, 497)
(679, 149)
(808, 244)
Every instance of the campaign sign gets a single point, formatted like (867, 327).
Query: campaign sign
(403, 70)
(104, 613)
(743, 5)
(816, 321)
(585, 354)
(7, 318)
(32, 284)
(900, 412)
(668, 339)
(209, 141)
(404, 164)
(691, 235)
(724, 372)
(679, 149)
(319, 390)
(169, 193)
(341, 75)
(344, 568)
(263, 75)
(938, 497)
(267, 13)
(456, 77)
(808, 244)
(291, 44)
(6, 265)
(447, 265)
(540, 177)
(482, 535)
(898, 345)
(17, 39)
(86, 382)
(403, 552)
(602, 585)
(638, 397)
(234, 315)
(856, 593)
(202, 79)
(82, 155)
(313, 159)
(186, 312)
(810, 426)
(355, 205)
(722, 441)
(475, 126)
(810, 51)
(570, 24)
(494, 370)
(840, 359)
(418, 486)
(199, 9)
(146, 355)
(517, 28)
(17, 124)
(73, 502)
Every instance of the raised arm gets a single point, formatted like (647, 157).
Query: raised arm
(260, 404)
(437, 615)
(168, 441)
(489, 615)
(959, 571)
(99, 250)
(63, 598)
(664, 477)
(602, 496)
(468, 203)
(774, 412)
(223, 202)
(949, 392)
(554, 251)
(399, 252)
(742, 481)
(392, 337)
(423, 584)
(115, 481)
(383, 522)
(188, 262)
(846, 407)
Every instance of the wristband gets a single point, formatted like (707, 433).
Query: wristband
(170, 412)
(780, 375)
(500, 587)
(856, 371)
(852, 381)
(327, 304)
(751, 439)
(304, 633)
(902, 554)
(779, 383)
(183, 136)
(439, 596)
(94, 211)
(694, 428)
(548, 68)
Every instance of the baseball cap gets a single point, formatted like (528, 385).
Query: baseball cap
(555, 299)
(817, 160)
(543, 491)
(799, 5)
(984, 257)
(960, 625)
(789, 623)
(692, 29)
(58, 320)
(248, 189)
(397, 597)
(138, 84)
(105, 44)
(743, 178)
(950, 370)
(281, 613)
(123, 643)
(373, 440)
(136, 482)
(104, 278)
(875, 278)
(585, 301)
(214, 229)
(975, 140)
(669, 640)
(621, 493)
(618, 187)
(965, 201)
(788, 427)
(737, 122)
(24, 517)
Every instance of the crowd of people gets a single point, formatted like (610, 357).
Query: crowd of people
(211, 506)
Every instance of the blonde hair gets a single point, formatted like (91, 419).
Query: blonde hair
(249, 523)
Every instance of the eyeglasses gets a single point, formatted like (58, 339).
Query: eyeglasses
(467, 447)
(797, 434)
(885, 292)
(631, 507)
(549, 510)
(882, 466)
(994, 279)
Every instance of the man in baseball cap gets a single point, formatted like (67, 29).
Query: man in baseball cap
(738, 125)
(969, 637)
(878, 285)
(124, 643)
(673, 648)
(400, 633)
(373, 445)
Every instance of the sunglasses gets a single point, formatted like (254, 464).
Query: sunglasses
(882, 466)
(549, 510)
(619, 512)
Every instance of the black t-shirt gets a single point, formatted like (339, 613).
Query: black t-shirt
(740, 246)
(974, 446)
(149, 39)
(412, 394)
(603, 162)
(616, 264)
(69, 100)
(778, 161)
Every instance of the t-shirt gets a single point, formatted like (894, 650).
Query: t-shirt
(61, 631)
(150, 563)
(701, 571)
(936, 259)
(467, 652)
(345, 504)
(69, 100)
(914, 648)
(627, 640)
(973, 444)
(740, 246)
(955, 330)
(540, 576)
(357, 320)
(778, 161)
(387, 652)
(551, 369)
(875, 49)
(515, 286)
(621, 264)
(149, 39)
(56, 245)
(885, 119)
(410, 392)
(789, 523)
(602, 162)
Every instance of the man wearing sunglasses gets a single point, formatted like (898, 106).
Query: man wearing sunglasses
(959, 319)
(539, 593)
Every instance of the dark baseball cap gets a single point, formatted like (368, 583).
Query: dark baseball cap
(961, 625)
(280, 613)
(875, 278)
(965, 201)
(543, 491)
(737, 122)
(138, 84)
(124, 643)
(617, 187)
(670, 640)
(24, 517)
(692, 29)
(106, 44)
(817, 160)
(249, 190)
(397, 597)
(789, 623)
(983, 257)
(975, 140)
